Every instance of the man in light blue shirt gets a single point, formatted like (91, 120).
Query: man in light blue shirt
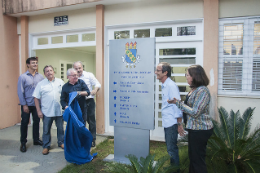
(171, 115)
(25, 87)
(49, 91)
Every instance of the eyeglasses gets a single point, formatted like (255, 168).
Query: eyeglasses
(75, 75)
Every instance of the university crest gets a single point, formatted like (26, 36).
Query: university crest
(130, 58)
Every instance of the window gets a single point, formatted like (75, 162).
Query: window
(239, 56)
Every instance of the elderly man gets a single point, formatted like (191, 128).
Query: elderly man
(171, 115)
(91, 81)
(25, 88)
(48, 91)
(74, 84)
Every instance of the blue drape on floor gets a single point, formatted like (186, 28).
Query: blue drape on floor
(77, 139)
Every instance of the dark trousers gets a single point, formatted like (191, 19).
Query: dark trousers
(89, 116)
(46, 136)
(24, 124)
(197, 143)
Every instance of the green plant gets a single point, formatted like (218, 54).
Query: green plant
(231, 148)
(144, 165)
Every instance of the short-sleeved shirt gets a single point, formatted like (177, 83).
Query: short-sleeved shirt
(170, 112)
(49, 93)
(67, 88)
(90, 80)
(25, 87)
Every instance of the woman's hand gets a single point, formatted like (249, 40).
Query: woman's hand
(181, 130)
(173, 101)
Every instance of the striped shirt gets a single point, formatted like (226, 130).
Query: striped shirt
(197, 109)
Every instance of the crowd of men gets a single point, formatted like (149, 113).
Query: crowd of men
(45, 98)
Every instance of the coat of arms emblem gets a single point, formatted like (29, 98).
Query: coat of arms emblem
(130, 58)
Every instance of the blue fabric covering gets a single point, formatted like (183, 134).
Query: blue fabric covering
(77, 139)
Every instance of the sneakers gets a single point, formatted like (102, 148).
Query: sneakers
(45, 151)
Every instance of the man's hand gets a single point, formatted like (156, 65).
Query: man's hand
(93, 92)
(26, 109)
(40, 114)
(66, 107)
(181, 130)
(173, 101)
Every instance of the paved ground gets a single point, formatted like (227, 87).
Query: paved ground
(32, 161)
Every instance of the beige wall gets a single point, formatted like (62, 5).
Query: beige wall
(82, 18)
(9, 65)
(54, 56)
(241, 104)
(238, 8)
(153, 10)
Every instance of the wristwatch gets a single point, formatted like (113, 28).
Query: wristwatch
(79, 93)
(179, 124)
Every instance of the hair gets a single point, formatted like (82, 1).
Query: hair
(166, 67)
(70, 70)
(199, 77)
(47, 67)
(34, 58)
(78, 62)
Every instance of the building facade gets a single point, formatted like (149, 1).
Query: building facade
(221, 35)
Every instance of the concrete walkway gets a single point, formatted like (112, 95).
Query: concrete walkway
(32, 161)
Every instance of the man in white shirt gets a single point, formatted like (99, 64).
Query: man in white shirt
(49, 91)
(171, 114)
(91, 82)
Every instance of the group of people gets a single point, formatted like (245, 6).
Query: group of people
(194, 110)
(45, 98)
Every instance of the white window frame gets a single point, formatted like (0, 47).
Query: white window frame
(247, 57)
(174, 41)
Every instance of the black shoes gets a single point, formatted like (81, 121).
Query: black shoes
(93, 143)
(38, 142)
(23, 147)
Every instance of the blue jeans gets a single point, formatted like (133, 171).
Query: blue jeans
(46, 136)
(171, 135)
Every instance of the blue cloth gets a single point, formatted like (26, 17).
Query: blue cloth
(25, 87)
(78, 139)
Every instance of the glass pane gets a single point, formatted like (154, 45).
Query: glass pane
(159, 123)
(55, 40)
(179, 69)
(160, 106)
(163, 32)
(42, 41)
(256, 76)
(257, 38)
(88, 37)
(160, 88)
(191, 60)
(184, 88)
(159, 115)
(160, 97)
(183, 97)
(187, 30)
(142, 33)
(178, 51)
(61, 65)
(72, 38)
(232, 75)
(121, 34)
(179, 79)
(233, 39)
(69, 66)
